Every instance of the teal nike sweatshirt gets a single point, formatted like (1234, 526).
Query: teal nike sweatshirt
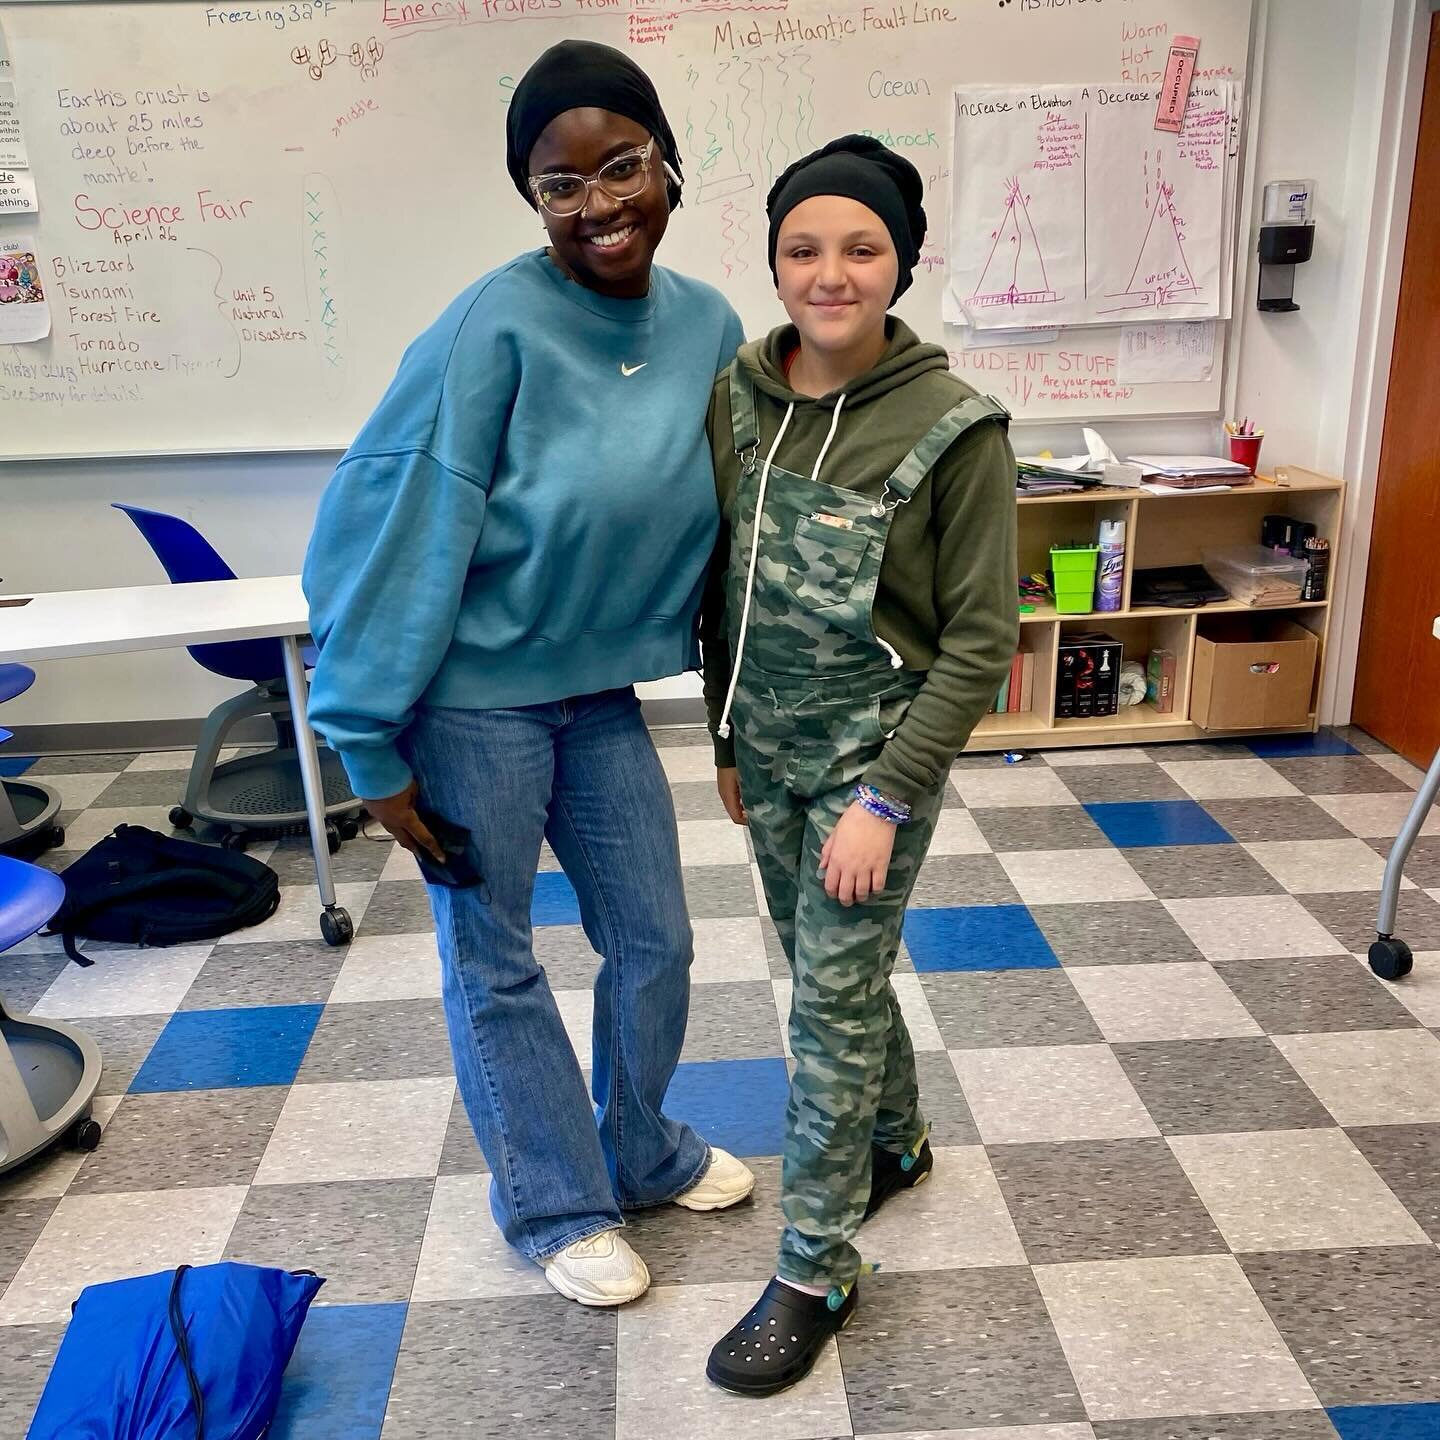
(527, 515)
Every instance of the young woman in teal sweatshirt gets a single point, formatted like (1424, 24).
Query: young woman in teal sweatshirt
(517, 536)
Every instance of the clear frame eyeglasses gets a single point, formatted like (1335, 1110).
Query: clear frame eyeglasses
(622, 178)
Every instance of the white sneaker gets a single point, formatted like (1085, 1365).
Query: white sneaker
(727, 1182)
(600, 1270)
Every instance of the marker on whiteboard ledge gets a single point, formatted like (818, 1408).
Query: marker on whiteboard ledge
(1175, 88)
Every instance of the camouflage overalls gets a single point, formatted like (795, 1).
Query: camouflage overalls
(815, 699)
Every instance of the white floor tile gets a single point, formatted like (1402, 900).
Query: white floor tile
(577, 1012)
(784, 991)
(1401, 769)
(464, 1256)
(924, 1032)
(78, 791)
(729, 949)
(1228, 779)
(92, 826)
(1257, 927)
(1179, 1000)
(956, 833)
(388, 967)
(1370, 1077)
(1419, 991)
(1014, 786)
(1322, 867)
(153, 760)
(1293, 1190)
(686, 763)
(664, 1341)
(1110, 755)
(1376, 817)
(132, 981)
(94, 1238)
(1063, 877)
(364, 1130)
(50, 1175)
(298, 917)
(712, 842)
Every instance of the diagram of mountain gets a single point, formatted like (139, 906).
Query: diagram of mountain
(1162, 274)
(1015, 272)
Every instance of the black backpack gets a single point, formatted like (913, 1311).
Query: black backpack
(141, 888)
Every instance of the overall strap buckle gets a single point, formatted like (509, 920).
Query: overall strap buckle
(908, 474)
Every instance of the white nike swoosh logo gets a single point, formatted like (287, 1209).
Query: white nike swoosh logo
(631, 369)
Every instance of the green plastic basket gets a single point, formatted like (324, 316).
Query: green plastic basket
(1074, 568)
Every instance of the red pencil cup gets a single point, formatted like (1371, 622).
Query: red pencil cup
(1245, 450)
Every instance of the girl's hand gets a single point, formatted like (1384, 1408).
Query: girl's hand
(856, 859)
(728, 783)
(397, 814)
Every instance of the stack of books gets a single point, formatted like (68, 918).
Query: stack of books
(1035, 477)
(1017, 694)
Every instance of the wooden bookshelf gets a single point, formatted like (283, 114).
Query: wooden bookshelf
(1159, 530)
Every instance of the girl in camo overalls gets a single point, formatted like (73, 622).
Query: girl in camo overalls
(861, 616)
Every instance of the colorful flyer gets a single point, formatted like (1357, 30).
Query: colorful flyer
(24, 310)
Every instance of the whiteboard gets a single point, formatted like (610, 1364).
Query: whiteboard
(249, 207)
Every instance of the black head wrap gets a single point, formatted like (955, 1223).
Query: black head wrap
(576, 75)
(862, 169)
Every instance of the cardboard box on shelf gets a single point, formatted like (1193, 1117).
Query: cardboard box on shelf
(1252, 673)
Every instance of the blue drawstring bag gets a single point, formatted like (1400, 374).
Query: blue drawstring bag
(187, 1354)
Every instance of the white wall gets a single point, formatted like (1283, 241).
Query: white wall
(1322, 78)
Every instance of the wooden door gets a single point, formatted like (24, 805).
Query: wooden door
(1397, 683)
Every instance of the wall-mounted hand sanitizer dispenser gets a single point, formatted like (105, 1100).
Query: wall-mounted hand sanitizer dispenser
(1287, 239)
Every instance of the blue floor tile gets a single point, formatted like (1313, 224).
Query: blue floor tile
(738, 1105)
(338, 1380)
(1140, 824)
(1299, 747)
(13, 765)
(554, 902)
(977, 937)
(1386, 1422)
(226, 1049)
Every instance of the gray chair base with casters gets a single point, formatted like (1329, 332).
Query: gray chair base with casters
(262, 791)
(27, 816)
(49, 1073)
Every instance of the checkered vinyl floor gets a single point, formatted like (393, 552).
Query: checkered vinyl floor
(1187, 1180)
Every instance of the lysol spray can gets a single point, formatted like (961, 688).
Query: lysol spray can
(1110, 577)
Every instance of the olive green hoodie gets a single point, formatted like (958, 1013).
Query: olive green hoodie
(946, 598)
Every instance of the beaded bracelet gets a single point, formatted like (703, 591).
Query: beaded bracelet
(884, 807)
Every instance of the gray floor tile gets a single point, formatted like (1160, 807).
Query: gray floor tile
(26, 1355)
(183, 1140)
(1360, 1323)
(1407, 1159)
(139, 787)
(565, 952)
(1351, 916)
(1283, 818)
(1206, 1087)
(461, 1152)
(716, 1247)
(80, 764)
(125, 1041)
(1184, 872)
(21, 1222)
(1332, 992)
(669, 736)
(1339, 775)
(955, 1350)
(774, 951)
(1127, 931)
(984, 1009)
(696, 800)
(963, 880)
(1201, 750)
(283, 972)
(1271, 1425)
(358, 859)
(533, 1365)
(1113, 784)
(732, 1020)
(1422, 864)
(1102, 1200)
(398, 907)
(942, 1101)
(713, 892)
(1039, 827)
(1364, 742)
(364, 1237)
(378, 1040)
(950, 798)
(25, 978)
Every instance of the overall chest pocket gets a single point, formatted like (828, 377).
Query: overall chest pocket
(824, 563)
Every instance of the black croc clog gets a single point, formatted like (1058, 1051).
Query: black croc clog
(891, 1173)
(780, 1339)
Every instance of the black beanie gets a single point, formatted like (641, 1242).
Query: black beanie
(862, 169)
(575, 75)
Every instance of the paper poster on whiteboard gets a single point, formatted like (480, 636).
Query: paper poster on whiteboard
(24, 310)
(1069, 208)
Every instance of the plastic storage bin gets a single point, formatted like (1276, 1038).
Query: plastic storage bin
(1073, 567)
(1257, 576)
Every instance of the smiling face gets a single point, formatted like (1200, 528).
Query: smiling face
(610, 245)
(836, 269)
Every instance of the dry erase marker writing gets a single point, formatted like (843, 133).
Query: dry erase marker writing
(1175, 88)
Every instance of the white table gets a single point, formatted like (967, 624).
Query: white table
(63, 624)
